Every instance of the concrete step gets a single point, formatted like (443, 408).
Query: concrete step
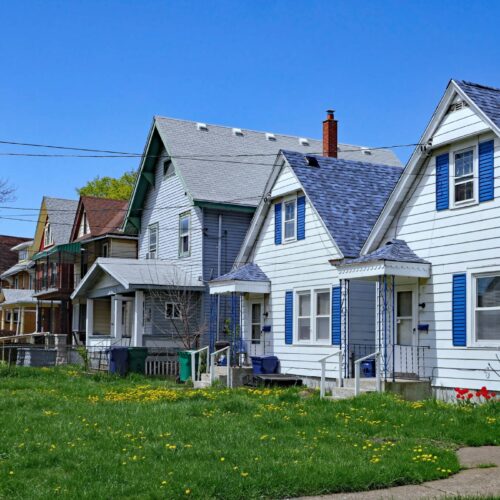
(345, 392)
(205, 377)
(364, 383)
(201, 384)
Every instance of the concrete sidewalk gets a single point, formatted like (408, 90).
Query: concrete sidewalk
(470, 482)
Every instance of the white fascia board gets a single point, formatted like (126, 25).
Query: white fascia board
(405, 182)
(82, 286)
(223, 287)
(384, 268)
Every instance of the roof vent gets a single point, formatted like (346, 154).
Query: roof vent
(312, 161)
(238, 132)
(303, 141)
(202, 126)
(366, 151)
(457, 106)
(270, 137)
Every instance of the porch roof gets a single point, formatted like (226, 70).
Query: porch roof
(14, 296)
(16, 268)
(133, 274)
(395, 258)
(247, 278)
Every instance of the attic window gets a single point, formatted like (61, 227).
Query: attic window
(303, 141)
(202, 126)
(238, 132)
(312, 161)
(84, 226)
(270, 137)
(168, 168)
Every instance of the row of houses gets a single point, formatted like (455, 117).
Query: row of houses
(287, 246)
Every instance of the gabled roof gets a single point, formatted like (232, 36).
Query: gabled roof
(61, 214)
(217, 165)
(486, 98)
(104, 216)
(394, 251)
(133, 274)
(247, 272)
(17, 268)
(8, 258)
(483, 100)
(348, 195)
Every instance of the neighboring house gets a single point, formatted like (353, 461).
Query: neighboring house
(7, 258)
(317, 211)
(54, 260)
(197, 190)
(446, 210)
(17, 305)
(97, 228)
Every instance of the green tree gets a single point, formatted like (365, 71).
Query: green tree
(110, 187)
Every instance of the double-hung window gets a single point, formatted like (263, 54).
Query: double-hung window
(313, 316)
(487, 308)
(290, 219)
(464, 176)
(153, 241)
(47, 235)
(184, 234)
(172, 310)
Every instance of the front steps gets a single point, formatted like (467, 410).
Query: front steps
(204, 382)
(347, 391)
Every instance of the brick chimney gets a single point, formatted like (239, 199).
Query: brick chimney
(330, 136)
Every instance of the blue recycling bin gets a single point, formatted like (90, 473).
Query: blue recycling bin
(368, 368)
(264, 365)
(118, 360)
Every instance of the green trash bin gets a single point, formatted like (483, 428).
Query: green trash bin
(185, 365)
(137, 359)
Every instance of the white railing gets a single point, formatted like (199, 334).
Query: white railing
(323, 371)
(357, 371)
(228, 365)
(196, 373)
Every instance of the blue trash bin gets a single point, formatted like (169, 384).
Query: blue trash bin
(264, 364)
(368, 368)
(118, 360)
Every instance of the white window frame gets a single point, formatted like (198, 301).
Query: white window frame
(286, 201)
(153, 248)
(175, 308)
(182, 235)
(313, 316)
(105, 250)
(84, 226)
(472, 276)
(462, 148)
(48, 238)
(23, 254)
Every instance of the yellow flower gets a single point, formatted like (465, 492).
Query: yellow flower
(222, 459)
(188, 491)
(244, 474)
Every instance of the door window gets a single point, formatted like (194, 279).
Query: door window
(405, 317)
(256, 323)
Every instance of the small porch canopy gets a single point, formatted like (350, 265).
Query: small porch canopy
(395, 258)
(15, 297)
(16, 268)
(248, 278)
(109, 276)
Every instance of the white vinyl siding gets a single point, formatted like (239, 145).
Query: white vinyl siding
(454, 241)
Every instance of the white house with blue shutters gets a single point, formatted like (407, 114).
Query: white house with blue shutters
(358, 258)
(317, 211)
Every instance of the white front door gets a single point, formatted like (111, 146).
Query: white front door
(255, 344)
(405, 349)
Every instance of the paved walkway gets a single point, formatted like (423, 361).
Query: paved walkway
(470, 482)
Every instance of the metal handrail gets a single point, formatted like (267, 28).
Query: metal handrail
(212, 365)
(357, 371)
(196, 373)
(323, 371)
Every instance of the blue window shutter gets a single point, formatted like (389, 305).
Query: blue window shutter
(459, 310)
(336, 315)
(277, 224)
(442, 182)
(486, 171)
(288, 317)
(301, 218)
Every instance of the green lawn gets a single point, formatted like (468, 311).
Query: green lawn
(69, 435)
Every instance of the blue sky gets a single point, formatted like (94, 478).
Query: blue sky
(92, 74)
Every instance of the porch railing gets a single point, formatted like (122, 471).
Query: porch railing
(323, 371)
(357, 371)
(228, 364)
(196, 371)
(409, 361)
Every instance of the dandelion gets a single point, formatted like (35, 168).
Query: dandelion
(188, 491)
(222, 459)
(244, 474)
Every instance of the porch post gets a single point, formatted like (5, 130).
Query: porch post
(12, 320)
(344, 339)
(116, 311)
(89, 323)
(21, 320)
(138, 318)
(3, 319)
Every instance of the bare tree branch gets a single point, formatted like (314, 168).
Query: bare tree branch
(6, 191)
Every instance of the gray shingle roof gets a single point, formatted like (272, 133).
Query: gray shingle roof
(394, 250)
(61, 214)
(16, 268)
(248, 272)
(238, 180)
(16, 296)
(348, 195)
(486, 98)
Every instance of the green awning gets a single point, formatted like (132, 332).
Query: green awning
(72, 248)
